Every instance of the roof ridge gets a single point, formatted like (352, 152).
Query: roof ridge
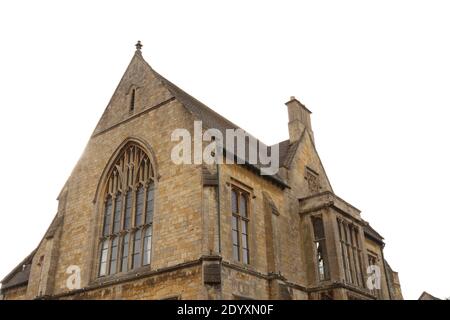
(171, 85)
(208, 116)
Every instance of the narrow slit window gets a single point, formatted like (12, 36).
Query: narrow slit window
(132, 100)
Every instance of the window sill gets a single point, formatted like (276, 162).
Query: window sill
(121, 275)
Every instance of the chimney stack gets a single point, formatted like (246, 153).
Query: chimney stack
(299, 119)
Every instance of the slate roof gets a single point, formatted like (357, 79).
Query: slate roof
(371, 232)
(20, 274)
(426, 296)
(211, 119)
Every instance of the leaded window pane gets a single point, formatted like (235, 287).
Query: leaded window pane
(149, 209)
(139, 205)
(137, 249)
(234, 205)
(244, 227)
(236, 252)
(243, 206)
(125, 246)
(147, 245)
(103, 257)
(245, 256)
(235, 238)
(244, 241)
(234, 223)
(117, 212)
(128, 206)
(114, 252)
(107, 219)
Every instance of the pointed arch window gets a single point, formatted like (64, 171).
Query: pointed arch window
(127, 229)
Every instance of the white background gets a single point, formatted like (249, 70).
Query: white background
(376, 75)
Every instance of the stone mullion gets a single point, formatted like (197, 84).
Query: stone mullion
(110, 233)
(141, 237)
(119, 253)
(240, 222)
(244, 219)
(239, 226)
(108, 255)
(350, 257)
(144, 205)
(241, 250)
(247, 236)
(142, 229)
(124, 209)
(349, 262)
(360, 262)
(238, 231)
(358, 256)
(364, 261)
(130, 239)
(133, 206)
(121, 231)
(144, 218)
(355, 257)
(344, 253)
(133, 228)
(145, 169)
(344, 262)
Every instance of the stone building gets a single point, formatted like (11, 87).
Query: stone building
(132, 224)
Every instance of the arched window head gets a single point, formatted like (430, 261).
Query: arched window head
(127, 213)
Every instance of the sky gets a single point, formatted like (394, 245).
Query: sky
(375, 74)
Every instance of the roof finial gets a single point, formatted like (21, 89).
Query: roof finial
(138, 45)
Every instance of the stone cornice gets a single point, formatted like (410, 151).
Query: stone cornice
(336, 285)
(98, 284)
(328, 199)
